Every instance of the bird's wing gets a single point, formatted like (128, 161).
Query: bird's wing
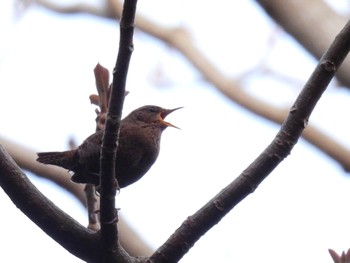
(89, 150)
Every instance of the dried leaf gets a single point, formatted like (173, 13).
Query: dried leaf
(102, 85)
(102, 77)
(95, 99)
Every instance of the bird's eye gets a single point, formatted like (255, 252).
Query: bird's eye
(152, 109)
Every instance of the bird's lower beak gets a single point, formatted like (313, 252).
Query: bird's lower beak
(165, 113)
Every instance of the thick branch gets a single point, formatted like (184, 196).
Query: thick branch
(58, 225)
(25, 158)
(109, 184)
(209, 215)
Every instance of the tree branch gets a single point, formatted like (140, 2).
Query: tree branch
(191, 230)
(25, 158)
(109, 185)
(210, 214)
(78, 240)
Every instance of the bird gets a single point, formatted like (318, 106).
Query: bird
(138, 149)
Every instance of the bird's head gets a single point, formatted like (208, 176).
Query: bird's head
(150, 114)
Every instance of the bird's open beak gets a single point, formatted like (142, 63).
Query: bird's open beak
(165, 113)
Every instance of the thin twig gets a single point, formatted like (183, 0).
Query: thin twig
(109, 185)
(101, 100)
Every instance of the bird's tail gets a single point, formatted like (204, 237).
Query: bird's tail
(63, 159)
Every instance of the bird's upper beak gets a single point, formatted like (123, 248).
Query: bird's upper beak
(165, 113)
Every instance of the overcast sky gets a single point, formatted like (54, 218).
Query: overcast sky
(46, 77)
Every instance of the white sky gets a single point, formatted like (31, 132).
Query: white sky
(46, 76)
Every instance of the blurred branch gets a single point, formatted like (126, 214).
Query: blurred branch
(298, 18)
(25, 158)
(301, 18)
(343, 258)
(179, 39)
(209, 215)
(101, 11)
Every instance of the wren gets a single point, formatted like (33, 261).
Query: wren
(138, 149)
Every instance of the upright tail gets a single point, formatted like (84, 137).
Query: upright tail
(67, 159)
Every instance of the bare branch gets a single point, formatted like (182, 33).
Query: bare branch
(25, 158)
(210, 214)
(109, 185)
(61, 227)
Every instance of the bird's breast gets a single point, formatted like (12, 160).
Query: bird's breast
(137, 151)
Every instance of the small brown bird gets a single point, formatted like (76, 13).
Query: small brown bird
(139, 142)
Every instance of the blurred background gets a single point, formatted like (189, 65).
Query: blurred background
(235, 69)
